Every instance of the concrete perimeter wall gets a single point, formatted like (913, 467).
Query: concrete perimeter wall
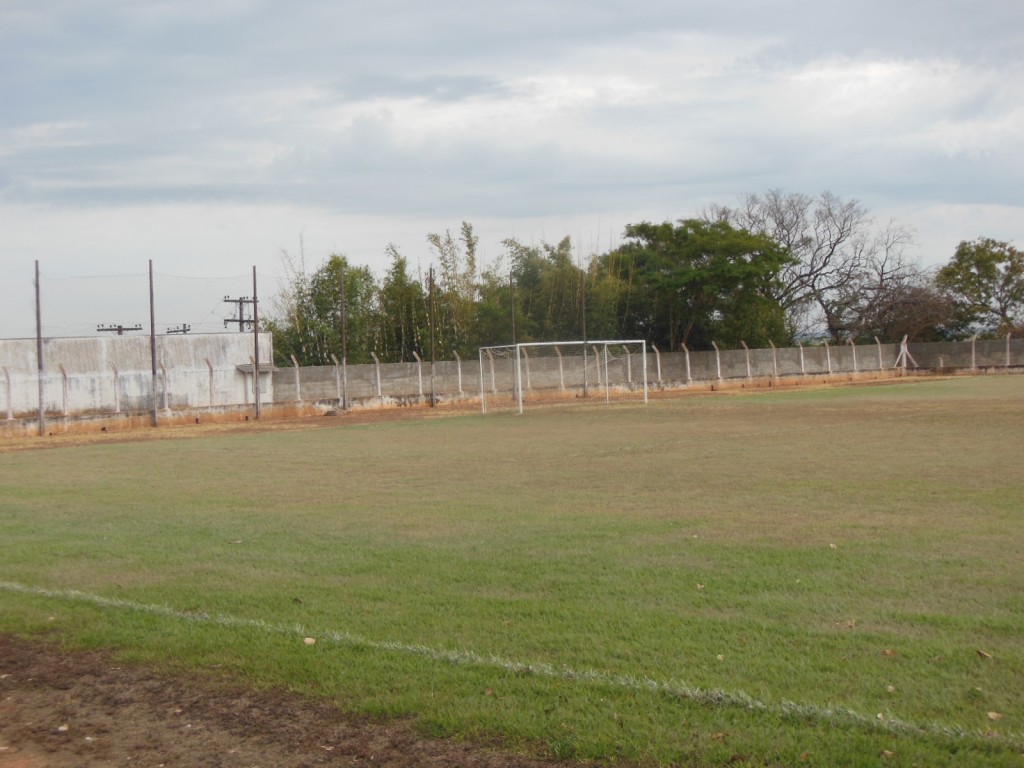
(406, 383)
(89, 378)
(98, 375)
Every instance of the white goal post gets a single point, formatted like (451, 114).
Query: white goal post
(553, 369)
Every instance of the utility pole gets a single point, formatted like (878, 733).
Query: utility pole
(583, 314)
(152, 344)
(512, 292)
(244, 325)
(432, 401)
(256, 344)
(119, 329)
(240, 320)
(344, 343)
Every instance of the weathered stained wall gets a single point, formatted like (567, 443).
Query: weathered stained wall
(114, 374)
(410, 382)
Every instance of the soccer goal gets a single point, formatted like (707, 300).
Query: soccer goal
(555, 371)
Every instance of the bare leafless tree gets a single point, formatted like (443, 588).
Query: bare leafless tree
(844, 264)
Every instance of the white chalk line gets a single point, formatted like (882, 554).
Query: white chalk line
(835, 716)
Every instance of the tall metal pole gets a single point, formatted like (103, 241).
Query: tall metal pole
(583, 305)
(512, 293)
(256, 343)
(432, 401)
(39, 355)
(152, 341)
(344, 343)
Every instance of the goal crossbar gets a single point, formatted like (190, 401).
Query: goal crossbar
(520, 356)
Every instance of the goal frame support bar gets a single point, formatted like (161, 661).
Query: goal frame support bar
(600, 348)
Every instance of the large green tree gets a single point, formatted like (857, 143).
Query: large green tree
(985, 278)
(696, 281)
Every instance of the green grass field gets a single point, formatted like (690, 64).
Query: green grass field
(827, 577)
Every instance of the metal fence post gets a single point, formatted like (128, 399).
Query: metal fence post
(298, 379)
(117, 389)
(337, 379)
(10, 394)
(376, 365)
(209, 366)
(64, 389)
(419, 373)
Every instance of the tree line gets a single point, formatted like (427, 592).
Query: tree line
(776, 269)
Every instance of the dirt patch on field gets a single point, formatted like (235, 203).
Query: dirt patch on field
(209, 425)
(137, 428)
(75, 708)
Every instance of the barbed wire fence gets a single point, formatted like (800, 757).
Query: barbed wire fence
(133, 344)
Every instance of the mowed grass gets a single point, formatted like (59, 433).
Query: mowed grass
(826, 577)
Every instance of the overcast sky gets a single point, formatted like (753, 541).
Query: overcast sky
(211, 135)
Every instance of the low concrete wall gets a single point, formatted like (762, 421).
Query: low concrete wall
(989, 353)
(403, 383)
(89, 378)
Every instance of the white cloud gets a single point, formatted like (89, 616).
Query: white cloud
(215, 133)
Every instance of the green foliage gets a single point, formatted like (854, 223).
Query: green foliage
(696, 282)
(548, 291)
(691, 282)
(455, 292)
(402, 314)
(986, 279)
(318, 311)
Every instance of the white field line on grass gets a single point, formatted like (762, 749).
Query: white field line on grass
(835, 716)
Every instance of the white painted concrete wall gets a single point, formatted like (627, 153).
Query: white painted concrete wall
(114, 374)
